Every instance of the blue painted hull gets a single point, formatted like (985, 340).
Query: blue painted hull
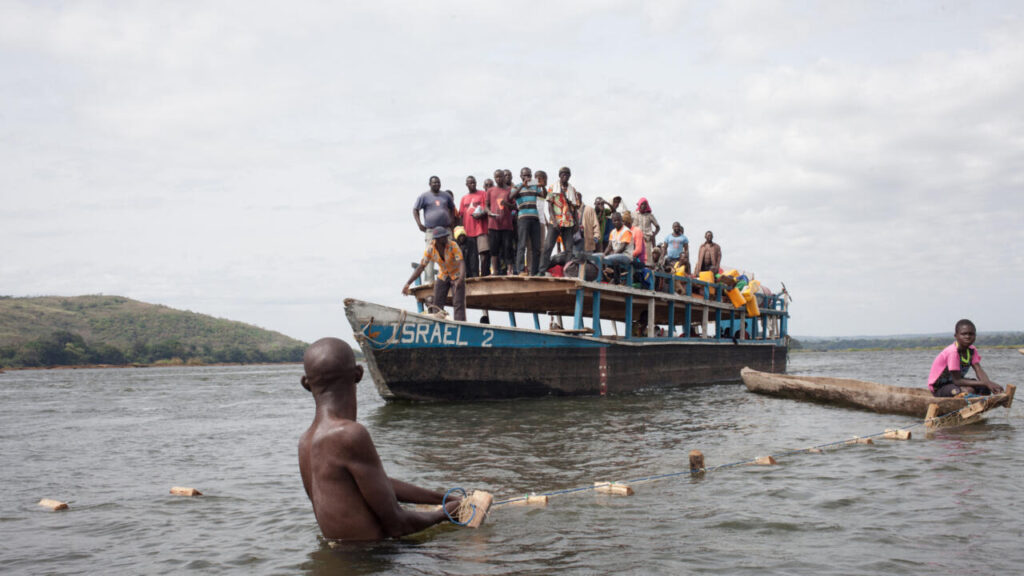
(419, 357)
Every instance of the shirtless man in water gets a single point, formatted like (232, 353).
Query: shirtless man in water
(352, 496)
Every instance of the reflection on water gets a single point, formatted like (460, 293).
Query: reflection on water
(114, 441)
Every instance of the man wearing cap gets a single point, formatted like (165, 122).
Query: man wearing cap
(451, 272)
(438, 210)
(563, 202)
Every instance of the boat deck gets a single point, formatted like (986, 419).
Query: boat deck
(558, 296)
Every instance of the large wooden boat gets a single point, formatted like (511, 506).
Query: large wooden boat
(870, 395)
(688, 336)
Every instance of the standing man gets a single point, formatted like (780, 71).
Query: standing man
(353, 497)
(649, 227)
(452, 272)
(499, 225)
(541, 178)
(438, 210)
(710, 255)
(678, 248)
(594, 224)
(528, 222)
(473, 212)
(562, 207)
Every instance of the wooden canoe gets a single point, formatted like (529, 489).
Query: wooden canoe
(870, 395)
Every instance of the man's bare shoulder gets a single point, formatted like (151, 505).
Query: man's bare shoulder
(344, 435)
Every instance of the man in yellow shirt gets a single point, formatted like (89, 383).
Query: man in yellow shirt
(451, 272)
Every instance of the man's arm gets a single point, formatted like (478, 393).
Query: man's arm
(416, 215)
(406, 492)
(983, 379)
(416, 274)
(378, 491)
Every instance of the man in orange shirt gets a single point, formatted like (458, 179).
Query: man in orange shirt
(619, 252)
(451, 272)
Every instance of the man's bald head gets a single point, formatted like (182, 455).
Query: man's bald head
(327, 361)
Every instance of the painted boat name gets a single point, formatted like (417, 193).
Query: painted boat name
(442, 334)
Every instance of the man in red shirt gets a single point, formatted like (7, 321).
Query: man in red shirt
(499, 225)
(473, 212)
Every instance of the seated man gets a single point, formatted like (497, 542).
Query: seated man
(352, 496)
(949, 370)
(452, 272)
(619, 252)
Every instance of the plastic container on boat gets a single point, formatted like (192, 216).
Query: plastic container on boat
(736, 297)
(709, 277)
(751, 302)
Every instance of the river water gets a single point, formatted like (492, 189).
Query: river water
(113, 442)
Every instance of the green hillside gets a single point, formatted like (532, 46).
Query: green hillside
(68, 331)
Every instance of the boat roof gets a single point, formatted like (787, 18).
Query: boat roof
(557, 296)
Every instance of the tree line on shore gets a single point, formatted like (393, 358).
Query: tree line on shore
(63, 348)
(985, 340)
(47, 331)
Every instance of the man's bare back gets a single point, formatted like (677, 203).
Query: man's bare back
(352, 496)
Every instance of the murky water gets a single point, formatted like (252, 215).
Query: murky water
(113, 442)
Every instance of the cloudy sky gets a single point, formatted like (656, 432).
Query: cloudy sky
(258, 161)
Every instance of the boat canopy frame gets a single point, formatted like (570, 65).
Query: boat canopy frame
(699, 303)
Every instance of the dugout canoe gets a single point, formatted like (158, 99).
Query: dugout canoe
(866, 395)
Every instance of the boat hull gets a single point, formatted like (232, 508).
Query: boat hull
(420, 357)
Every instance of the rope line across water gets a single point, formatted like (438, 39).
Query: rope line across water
(935, 420)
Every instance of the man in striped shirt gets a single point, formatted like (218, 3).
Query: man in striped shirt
(525, 196)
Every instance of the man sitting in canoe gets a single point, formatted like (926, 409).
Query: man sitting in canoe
(949, 370)
(352, 496)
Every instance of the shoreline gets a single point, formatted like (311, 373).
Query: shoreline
(902, 348)
(155, 365)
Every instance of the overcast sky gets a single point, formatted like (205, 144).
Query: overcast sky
(258, 161)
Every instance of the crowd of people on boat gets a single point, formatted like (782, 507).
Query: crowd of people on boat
(537, 228)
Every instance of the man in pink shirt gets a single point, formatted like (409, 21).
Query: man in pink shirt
(499, 225)
(949, 370)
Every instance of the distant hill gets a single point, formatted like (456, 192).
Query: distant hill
(985, 340)
(78, 330)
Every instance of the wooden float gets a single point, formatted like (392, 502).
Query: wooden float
(53, 504)
(614, 488)
(474, 508)
(874, 396)
(185, 491)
